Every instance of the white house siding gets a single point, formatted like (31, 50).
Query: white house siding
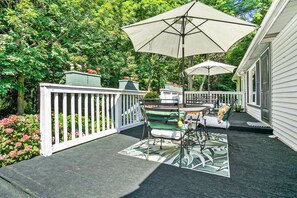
(253, 111)
(284, 84)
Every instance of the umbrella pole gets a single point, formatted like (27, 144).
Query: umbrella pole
(183, 61)
(183, 69)
(208, 86)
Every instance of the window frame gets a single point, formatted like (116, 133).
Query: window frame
(253, 97)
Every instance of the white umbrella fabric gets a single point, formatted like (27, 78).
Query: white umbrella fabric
(193, 28)
(210, 68)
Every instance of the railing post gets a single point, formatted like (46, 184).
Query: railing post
(118, 112)
(45, 122)
(162, 95)
(243, 100)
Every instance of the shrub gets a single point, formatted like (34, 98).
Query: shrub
(19, 138)
(151, 94)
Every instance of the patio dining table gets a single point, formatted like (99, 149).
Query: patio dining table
(191, 116)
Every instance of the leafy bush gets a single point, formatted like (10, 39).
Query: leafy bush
(151, 94)
(19, 138)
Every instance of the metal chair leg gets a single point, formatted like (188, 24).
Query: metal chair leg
(148, 145)
(181, 153)
(143, 130)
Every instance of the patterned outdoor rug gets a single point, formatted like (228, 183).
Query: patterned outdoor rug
(214, 158)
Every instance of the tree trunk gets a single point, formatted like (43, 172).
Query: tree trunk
(21, 95)
(190, 77)
(149, 82)
(203, 81)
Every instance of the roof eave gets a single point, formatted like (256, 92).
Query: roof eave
(273, 13)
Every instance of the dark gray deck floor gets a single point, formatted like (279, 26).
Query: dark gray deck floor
(259, 166)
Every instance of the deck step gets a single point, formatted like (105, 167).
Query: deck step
(238, 121)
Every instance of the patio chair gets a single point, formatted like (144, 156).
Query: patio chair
(212, 103)
(195, 123)
(161, 119)
(212, 121)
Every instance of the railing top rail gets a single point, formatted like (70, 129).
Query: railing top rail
(84, 89)
(214, 92)
(173, 91)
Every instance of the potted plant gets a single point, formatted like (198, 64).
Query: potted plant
(151, 94)
(84, 77)
(237, 107)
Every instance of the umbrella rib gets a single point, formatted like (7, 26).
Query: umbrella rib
(129, 26)
(217, 20)
(172, 33)
(195, 26)
(135, 25)
(172, 26)
(156, 36)
(186, 13)
(209, 37)
(193, 33)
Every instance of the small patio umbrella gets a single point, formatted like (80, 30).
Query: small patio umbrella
(210, 68)
(191, 29)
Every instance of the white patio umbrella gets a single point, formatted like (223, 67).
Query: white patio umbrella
(193, 28)
(210, 68)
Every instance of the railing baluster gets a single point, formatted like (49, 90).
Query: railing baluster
(79, 115)
(127, 108)
(57, 133)
(137, 109)
(86, 114)
(107, 111)
(112, 110)
(103, 111)
(130, 108)
(133, 108)
(124, 111)
(72, 116)
(92, 114)
(97, 113)
(65, 116)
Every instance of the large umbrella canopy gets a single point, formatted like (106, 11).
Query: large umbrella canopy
(193, 28)
(210, 68)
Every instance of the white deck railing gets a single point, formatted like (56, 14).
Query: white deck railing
(72, 115)
(222, 96)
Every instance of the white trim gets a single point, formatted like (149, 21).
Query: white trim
(251, 86)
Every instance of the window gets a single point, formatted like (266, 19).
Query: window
(254, 85)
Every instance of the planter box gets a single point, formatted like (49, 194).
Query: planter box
(82, 79)
(128, 84)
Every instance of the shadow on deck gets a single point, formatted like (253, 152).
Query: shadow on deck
(259, 167)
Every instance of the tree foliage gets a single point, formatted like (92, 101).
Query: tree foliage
(40, 39)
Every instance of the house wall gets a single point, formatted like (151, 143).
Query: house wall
(254, 111)
(284, 84)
